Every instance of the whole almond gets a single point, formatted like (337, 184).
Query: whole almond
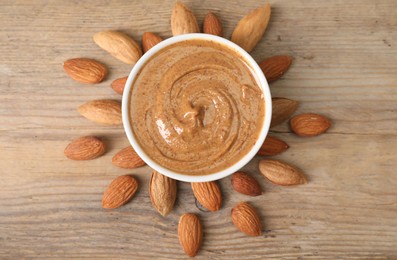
(119, 84)
(85, 148)
(309, 124)
(208, 194)
(282, 109)
(104, 111)
(251, 28)
(246, 219)
(149, 40)
(119, 192)
(119, 45)
(245, 184)
(272, 146)
(127, 158)
(212, 25)
(85, 70)
(162, 191)
(190, 233)
(183, 20)
(281, 173)
(274, 67)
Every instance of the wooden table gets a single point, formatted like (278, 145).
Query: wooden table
(345, 67)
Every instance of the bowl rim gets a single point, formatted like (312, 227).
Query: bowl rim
(263, 84)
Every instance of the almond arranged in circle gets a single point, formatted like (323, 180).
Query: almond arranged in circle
(246, 219)
(309, 124)
(119, 192)
(85, 148)
(190, 233)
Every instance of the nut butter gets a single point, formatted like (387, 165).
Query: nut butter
(196, 107)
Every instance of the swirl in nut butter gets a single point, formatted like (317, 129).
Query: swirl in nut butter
(196, 107)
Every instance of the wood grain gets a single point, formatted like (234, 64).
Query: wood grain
(344, 67)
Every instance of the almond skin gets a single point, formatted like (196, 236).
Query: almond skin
(212, 25)
(275, 67)
(250, 29)
(272, 146)
(119, 192)
(85, 148)
(162, 191)
(183, 20)
(281, 173)
(104, 111)
(149, 40)
(245, 184)
(246, 219)
(190, 233)
(282, 109)
(119, 45)
(208, 194)
(127, 158)
(119, 84)
(85, 70)
(309, 124)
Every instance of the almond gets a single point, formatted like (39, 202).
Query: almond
(119, 192)
(162, 192)
(272, 146)
(104, 111)
(149, 40)
(119, 45)
(251, 28)
(208, 194)
(282, 109)
(309, 124)
(274, 67)
(246, 184)
(246, 219)
(119, 84)
(190, 233)
(85, 70)
(212, 25)
(281, 173)
(183, 20)
(85, 148)
(127, 158)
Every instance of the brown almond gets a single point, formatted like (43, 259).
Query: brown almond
(274, 67)
(281, 173)
(212, 25)
(149, 40)
(127, 158)
(119, 84)
(104, 111)
(85, 70)
(250, 28)
(208, 194)
(282, 109)
(119, 45)
(162, 191)
(190, 233)
(309, 124)
(183, 20)
(246, 219)
(85, 148)
(272, 146)
(119, 192)
(245, 184)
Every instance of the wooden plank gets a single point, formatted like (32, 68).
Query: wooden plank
(344, 67)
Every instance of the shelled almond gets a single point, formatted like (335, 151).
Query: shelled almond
(127, 158)
(85, 70)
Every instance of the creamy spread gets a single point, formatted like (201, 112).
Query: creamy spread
(196, 107)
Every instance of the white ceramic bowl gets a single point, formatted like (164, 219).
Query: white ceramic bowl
(237, 165)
